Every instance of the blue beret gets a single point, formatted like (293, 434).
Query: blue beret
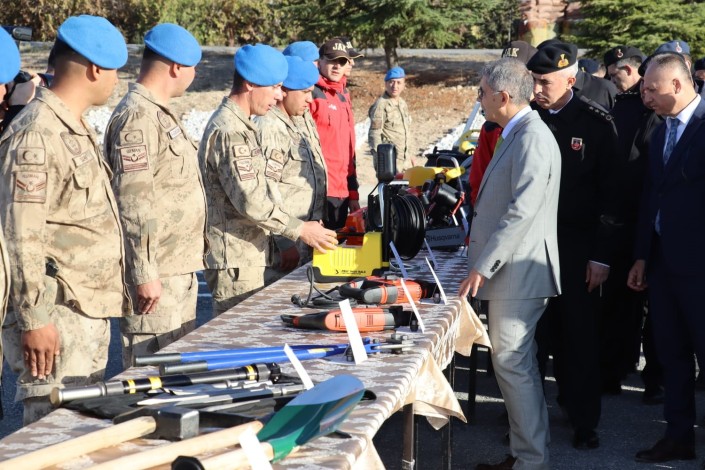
(394, 72)
(302, 74)
(304, 49)
(261, 64)
(9, 57)
(588, 65)
(96, 39)
(173, 42)
(680, 47)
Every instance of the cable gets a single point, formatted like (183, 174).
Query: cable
(323, 299)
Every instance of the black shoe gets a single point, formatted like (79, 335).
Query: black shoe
(611, 387)
(653, 395)
(666, 450)
(585, 439)
(507, 464)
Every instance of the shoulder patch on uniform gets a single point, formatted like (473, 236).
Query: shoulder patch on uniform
(274, 170)
(82, 159)
(134, 158)
(71, 143)
(241, 150)
(257, 152)
(277, 155)
(164, 119)
(30, 186)
(132, 137)
(31, 156)
(245, 171)
(175, 132)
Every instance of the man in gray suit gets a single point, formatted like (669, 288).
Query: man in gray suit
(513, 254)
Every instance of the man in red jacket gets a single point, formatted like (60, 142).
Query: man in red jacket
(332, 112)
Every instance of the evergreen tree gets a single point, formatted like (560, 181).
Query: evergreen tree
(642, 23)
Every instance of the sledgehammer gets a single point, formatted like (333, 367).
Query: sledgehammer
(171, 423)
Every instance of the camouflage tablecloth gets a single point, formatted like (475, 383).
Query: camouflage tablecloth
(412, 377)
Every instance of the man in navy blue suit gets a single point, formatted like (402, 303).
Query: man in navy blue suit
(670, 249)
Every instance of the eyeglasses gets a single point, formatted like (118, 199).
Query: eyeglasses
(342, 61)
(481, 93)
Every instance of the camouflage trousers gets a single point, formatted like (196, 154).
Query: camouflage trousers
(174, 317)
(82, 360)
(231, 286)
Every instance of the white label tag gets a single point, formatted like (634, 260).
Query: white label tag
(413, 305)
(303, 375)
(438, 283)
(253, 450)
(430, 252)
(399, 261)
(358, 349)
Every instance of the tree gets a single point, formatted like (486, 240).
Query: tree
(641, 23)
(389, 23)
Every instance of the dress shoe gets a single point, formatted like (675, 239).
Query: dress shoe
(585, 439)
(507, 464)
(653, 395)
(666, 450)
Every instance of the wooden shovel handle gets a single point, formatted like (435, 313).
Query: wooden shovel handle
(234, 459)
(82, 445)
(167, 453)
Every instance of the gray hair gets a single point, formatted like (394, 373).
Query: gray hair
(672, 61)
(510, 75)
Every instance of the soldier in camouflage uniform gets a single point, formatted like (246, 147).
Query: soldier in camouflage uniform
(390, 120)
(241, 214)
(10, 60)
(61, 222)
(295, 167)
(159, 193)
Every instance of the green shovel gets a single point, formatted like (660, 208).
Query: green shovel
(312, 414)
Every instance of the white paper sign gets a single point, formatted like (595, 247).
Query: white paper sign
(430, 252)
(358, 348)
(413, 305)
(438, 283)
(303, 375)
(253, 450)
(399, 261)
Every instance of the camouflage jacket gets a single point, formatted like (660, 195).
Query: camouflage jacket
(59, 215)
(241, 213)
(296, 171)
(390, 123)
(158, 188)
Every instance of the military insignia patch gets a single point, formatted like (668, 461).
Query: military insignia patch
(30, 186)
(278, 156)
(82, 159)
(244, 169)
(576, 143)
(133, 137)
(563, 62)
(30, 156)
(134, 158)
(175, 132)
(241, 150)
(164, 119)
(274, 170)
(619, 53)
(71, 143)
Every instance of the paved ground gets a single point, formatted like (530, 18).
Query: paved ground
(627, 425)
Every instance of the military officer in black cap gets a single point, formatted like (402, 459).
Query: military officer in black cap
(596, 89)
(622, 308)
(587, 226)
